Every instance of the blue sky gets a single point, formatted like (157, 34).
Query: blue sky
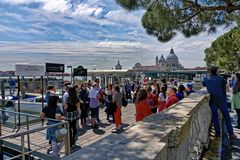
(88, 32)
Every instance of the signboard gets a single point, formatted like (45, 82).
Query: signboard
(54, 67)
(29, 70)
(79, 71)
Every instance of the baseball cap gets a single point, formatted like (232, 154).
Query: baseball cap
(189, 85)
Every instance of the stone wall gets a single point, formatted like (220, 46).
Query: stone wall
(178, 133)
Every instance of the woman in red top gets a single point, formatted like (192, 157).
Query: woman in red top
(152, 100)
(172, 98)
(142, 107)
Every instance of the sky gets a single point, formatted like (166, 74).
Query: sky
(92, 33)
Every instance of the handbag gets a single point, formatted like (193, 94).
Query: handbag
(60, 134)
(124, 102)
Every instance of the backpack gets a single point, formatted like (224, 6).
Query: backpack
(124, 102)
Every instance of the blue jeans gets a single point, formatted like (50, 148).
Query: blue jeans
(97, 116)
(224, 109)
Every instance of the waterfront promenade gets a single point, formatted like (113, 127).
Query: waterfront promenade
(86, 135)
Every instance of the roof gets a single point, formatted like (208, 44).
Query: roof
(172, 56)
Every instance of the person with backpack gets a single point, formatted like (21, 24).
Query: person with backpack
(53, 111)
(117, 99)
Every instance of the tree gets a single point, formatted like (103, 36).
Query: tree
(164, 18)
(223, 51)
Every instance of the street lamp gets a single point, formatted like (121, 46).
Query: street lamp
(71, 73)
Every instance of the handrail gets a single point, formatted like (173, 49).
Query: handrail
(26, 114)
(32, 131)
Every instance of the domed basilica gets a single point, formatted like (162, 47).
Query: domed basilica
(171, 63)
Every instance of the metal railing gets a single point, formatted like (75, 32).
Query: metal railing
(27, 131)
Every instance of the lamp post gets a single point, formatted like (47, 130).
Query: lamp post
(71, 73)
(238, 53)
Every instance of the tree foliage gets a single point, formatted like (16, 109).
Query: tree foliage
(164, 18)
(224, 51)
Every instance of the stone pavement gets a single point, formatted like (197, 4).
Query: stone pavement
(87, 135)
(231, 148)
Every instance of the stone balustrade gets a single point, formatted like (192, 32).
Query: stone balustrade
(178, 133)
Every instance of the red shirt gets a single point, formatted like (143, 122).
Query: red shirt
(153, 101)
(142, 110)
(170, 101)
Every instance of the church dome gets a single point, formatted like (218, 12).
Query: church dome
(172, 56)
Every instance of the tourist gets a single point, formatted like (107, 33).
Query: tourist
(84, 103)
(232, 81)
(72, 108)
(12, 85)
(236, 99)
(109, 109)
(65, 95)
(172, 98)
(53, 111)
(158, 89)
(128, 90)
(175, 83)
(154, 86)
(117, 99)
(101, 98)
(163, 82)
(51, 91)
(137, 87)
(216, 86)
(162, 98)
(152, 100)
(189, 88)
(180, 92)
(143, 109)
(94, 104)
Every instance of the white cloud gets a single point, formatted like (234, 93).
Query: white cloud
(86, 10)
(17, 30)
(56, 5)
(123, 16)
(94, 19)
(18, 1)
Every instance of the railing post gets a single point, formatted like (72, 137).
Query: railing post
(1, 151)
(28, 137)
(22, 146)
(18, 95)
(67, 141)
(15, 116)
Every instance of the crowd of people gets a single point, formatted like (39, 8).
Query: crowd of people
(83, 101)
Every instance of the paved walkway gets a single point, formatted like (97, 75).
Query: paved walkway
(231, 148)
(87, 135)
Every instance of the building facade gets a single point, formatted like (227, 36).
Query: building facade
(118, 66)
(171, 63)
